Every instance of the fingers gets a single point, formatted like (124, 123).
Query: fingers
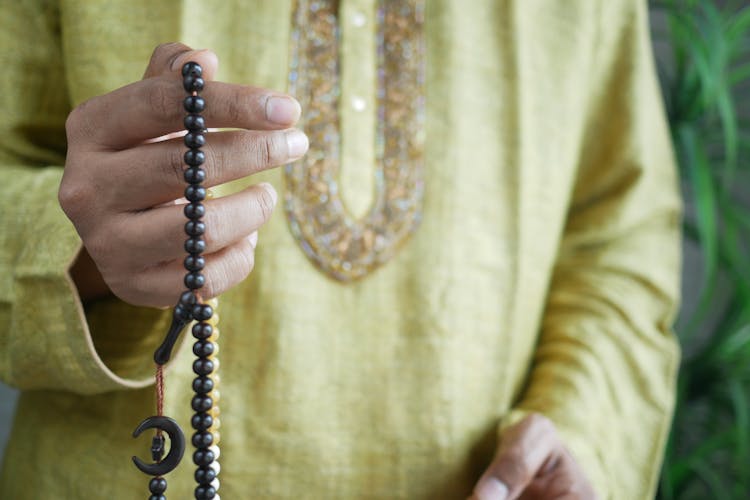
(229, 156)
(160, 285)
(526, 449)
(152, 108)
(158, 235)
(168, 58)
(151, 271)
(124, 167)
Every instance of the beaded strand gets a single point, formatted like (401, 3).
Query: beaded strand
(203, 385)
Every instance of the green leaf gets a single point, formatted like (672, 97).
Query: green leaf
(709, 476)
(738, 27)
(742, 424)
(729, 126)
(702, 183)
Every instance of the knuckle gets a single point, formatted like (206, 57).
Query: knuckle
(276, 148)
(73, 196)
(214, 226)
(214, 156)
(175, 166)
(243, 260)
(260, 151)
(247, 260)
(237, 108)
(78, 122)
(265, 154)
(265, 203)
(162, 99)
(71, 122)
(217, 281)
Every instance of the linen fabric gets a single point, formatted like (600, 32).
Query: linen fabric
(543, 278)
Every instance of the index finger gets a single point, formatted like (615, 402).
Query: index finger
(154, 107)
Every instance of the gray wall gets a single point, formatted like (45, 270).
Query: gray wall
(8, 398)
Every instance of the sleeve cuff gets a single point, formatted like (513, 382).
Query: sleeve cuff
(51, 342)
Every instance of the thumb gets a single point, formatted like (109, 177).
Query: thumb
(168, 58)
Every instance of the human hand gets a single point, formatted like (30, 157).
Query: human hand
(532, 463)
(123, 173)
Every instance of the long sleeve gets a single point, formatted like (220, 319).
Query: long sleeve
(605, 365)
(46, 341)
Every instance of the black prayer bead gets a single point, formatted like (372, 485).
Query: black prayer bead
(202, 312)
(193, 83)
(194, 280)
(194, 262)
(194, 210)
(205, 492)
(157, 485)
(201, 403)
(203, 439)
(187, 299)
(194, 123)
(204, 349)
(184, 308)
(203, 457)
(195, 228)
(194, 175)
(203, 366)
(192, 68)
(194, 104)
(202, 421)
(157, 497)
(195, 245)
(202, 385)
(194, 140)
(202, 330)
(204, 475)
(194, 158)
(182, 313)
(195, 193)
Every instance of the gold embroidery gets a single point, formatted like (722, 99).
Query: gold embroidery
(343, 247)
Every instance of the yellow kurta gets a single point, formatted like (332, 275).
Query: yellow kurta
(543, 276)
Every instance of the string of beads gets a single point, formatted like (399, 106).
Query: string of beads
(204, 348)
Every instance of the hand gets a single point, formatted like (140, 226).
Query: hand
(532, 463)
(124, 171)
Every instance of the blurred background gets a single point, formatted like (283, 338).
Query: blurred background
(702, 49)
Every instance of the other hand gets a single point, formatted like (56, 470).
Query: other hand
(532, 463)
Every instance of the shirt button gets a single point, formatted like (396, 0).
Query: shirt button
(358, 103)
(359, 19)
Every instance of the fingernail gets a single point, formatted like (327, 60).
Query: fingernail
(282, 110)
(297, 142)
(253, 239)
(491, 489)
(271, 191)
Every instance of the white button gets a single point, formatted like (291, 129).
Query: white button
(359, 19)
(358, 103)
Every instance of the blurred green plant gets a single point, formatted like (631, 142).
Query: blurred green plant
(705, 80)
